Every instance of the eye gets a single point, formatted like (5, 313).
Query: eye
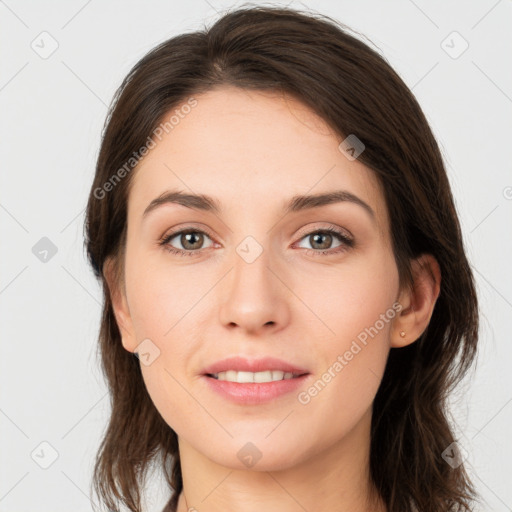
(191, 241)
(322, 238)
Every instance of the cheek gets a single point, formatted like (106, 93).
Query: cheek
(345, 301)
(164, 308)
(160, 296)
(355, 308)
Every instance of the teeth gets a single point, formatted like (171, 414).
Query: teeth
(258, 377)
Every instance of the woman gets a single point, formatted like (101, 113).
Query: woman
(255, 367)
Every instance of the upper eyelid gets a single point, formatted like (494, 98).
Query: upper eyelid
(339, 229)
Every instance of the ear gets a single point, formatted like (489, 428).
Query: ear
(117, 292)
(418, 302)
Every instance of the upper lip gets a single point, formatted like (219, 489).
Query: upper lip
(242, 364)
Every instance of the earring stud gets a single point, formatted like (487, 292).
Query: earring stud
(402, 333)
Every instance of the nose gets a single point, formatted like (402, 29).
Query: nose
(254, 297)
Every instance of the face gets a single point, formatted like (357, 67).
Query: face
(257, 279)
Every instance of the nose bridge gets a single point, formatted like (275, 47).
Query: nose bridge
(251, 264)
(253, 296)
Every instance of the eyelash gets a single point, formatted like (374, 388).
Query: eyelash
(347, 243)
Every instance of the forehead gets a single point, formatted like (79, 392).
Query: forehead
(252, 150)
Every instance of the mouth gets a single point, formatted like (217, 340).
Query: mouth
(262, 377)
(245, 370)
(247, 381)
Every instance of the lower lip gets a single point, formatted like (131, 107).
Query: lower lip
(254, 393)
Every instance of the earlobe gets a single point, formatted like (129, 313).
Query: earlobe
(418, 302)
(120, 306)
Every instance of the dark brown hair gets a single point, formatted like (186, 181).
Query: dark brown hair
(352, 87)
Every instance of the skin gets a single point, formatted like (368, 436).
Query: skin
(253, 151)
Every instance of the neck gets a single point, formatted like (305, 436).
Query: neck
(335, 478)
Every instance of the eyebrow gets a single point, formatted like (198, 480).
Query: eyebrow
(295, 204)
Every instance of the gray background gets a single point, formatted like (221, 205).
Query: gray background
(52, 112)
